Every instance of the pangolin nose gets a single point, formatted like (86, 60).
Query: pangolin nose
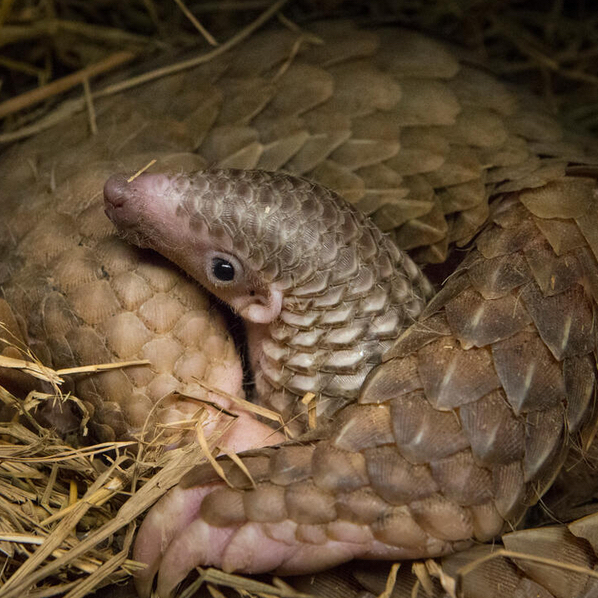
(115, 191)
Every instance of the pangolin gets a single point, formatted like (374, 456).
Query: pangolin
(477, 400)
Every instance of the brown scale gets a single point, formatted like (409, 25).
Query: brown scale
(422, 152)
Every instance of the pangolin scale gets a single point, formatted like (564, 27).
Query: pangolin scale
(473, 410)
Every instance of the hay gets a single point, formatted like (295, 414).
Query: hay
(68, 515)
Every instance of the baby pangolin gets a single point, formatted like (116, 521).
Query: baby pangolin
(462, 426)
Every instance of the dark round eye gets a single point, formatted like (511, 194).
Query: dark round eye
(223, 270)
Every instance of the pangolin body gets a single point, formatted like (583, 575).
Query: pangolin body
(473, 410)
(468, 419)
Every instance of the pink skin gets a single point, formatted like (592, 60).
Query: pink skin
(173, 539)
(174, 546)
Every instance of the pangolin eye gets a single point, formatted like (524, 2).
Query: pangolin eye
(222, 269)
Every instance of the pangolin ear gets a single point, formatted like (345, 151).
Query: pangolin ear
(264, 308)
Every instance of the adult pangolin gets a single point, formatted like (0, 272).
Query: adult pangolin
(477, 402)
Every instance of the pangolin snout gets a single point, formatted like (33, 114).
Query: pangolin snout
(127, 197)
(116, 195)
